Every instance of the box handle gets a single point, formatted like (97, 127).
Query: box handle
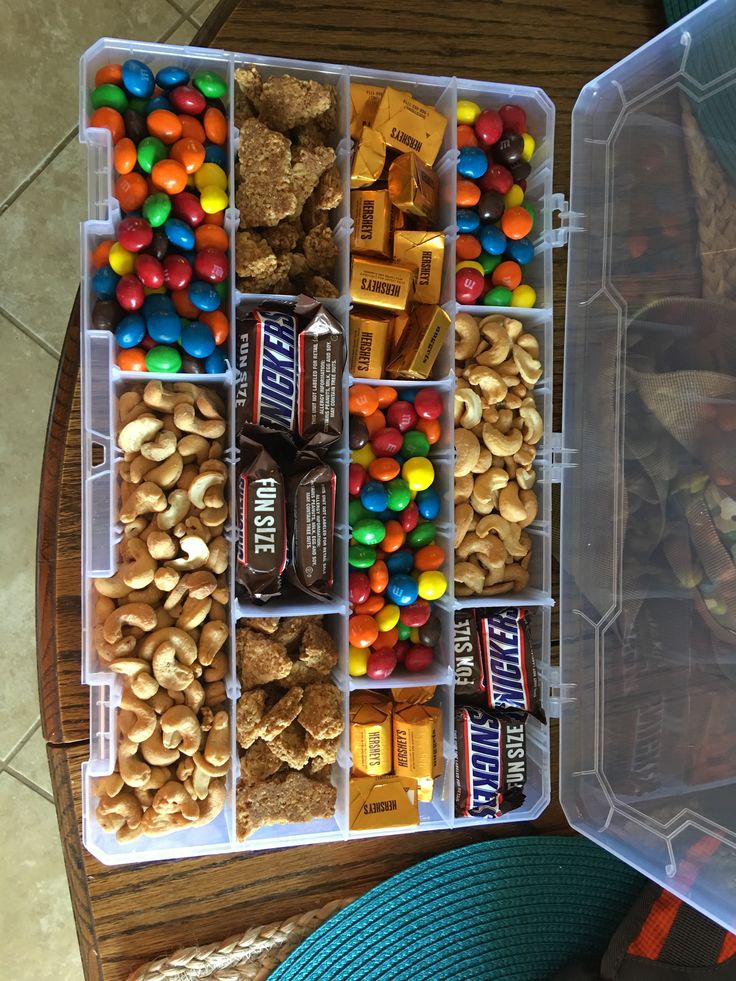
(98, 455)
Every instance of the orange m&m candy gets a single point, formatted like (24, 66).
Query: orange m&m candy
(101, 253)
(191, 128)
(132, 359)
(384, 468)
(131, 191)
(386, 396)
(516, 223)
(362, 630)
(362, 400)
(468, 194)
(165, 125)
(429, 558)
(375, 421)
(467, 247)
(189, 153)
(183, 305)
(385, 640)
(371, 606)
(110, 119)
(209, 236)
(394, 537)
(466, 136)
(124, 156)
(431, 429)
(217, 323)
(507, 274)
(169, 175)
(378, 576)
(109, 75)
(215, 125)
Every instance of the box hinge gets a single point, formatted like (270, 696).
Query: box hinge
(558, 693)
(559, 457)
(569, 222)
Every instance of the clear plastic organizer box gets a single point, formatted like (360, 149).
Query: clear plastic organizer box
(628, 693)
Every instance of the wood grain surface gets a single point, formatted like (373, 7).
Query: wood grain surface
(131, 914)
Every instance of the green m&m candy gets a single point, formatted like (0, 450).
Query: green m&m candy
(150, 151)
(399, 494)
(359, 556)
(369, 531)
(222, 289)
(109, 95)
(138, 105)
(499, 296)
(414, 443)
(356, 511)
(157, 208)
(422, 535)
(404, 630)
(163, 358)
(210, 84)
(488, 261)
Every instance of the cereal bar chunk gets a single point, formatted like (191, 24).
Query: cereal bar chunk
(317, 649)
(266, 282)
(321, 713)
(284, 798)
(250, 83)
(322, 752)
(267, 625)
(291, 629)
(328, 193)
(282, 714)
(258, 763)
(248, 715)
(320, 287)
(307, 166)
(320, 250)
(290, 746)
(254, 257)
(265, 194)
(261, 659)
(300, 674)
(284, 236)
(286, 102)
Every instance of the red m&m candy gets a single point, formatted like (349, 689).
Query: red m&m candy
(401, 415)
(513, 118)
(469, 284)
(428, 403)
(135, 234)
(488, 127)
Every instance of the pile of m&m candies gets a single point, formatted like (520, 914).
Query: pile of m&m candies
(161, 283)
(395, 564)
(493, 219)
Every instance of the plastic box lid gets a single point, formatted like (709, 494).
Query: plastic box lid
(648, 546)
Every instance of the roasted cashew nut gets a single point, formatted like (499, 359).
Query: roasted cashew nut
(202, 483)
(212, 804)
(510, 505)
(161, 447)
(467, 451)
(463, 487)
(529, 503)
(153, 749)
(491, 384)
(526, 479)
(115, 812)
(467, 336)
(217, 747)
(181, 729)
(168, 671)
(158, 397)
(532, 424)
(194, 696)
(137, 432)
(468, 408)
(213, 636)
(219, 556)
(133, 770)
(109, 786)
(184, 645)
(469, 575)
(136, 670)
(186, 420)
(168, 472)
(133, 614)
(487, 483)
(193, 613)
(197, 553)
(464, 516)
(528, 367)
(176, 510)
(509, 533)
(144, 716)
(114, 587)
(138, 469)
(529, 343)
(493, 329)
(139, 571)
(194, 447)
(502, 444)
(109, 651)
(217, 670)
(144, 499)
(172, 798)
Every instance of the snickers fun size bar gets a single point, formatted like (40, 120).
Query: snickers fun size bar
(490, 763)
(311, 523)
(261, 551)
(290, 373)
(494, 662)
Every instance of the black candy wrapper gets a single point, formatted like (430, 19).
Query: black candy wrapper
(495, 665)
(311, 523)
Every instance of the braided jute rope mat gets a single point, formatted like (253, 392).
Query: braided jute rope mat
(249, 956)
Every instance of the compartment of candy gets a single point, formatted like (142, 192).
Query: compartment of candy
(401, 777)
(159, 184)
(486, 425)
(402, 208)
(401, 528)
(295, 593)
(536, 738)
(290, 739)
(157, 649)
(292, 172)
(504, 139)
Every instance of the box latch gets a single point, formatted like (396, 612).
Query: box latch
(569, 222)
(560, 457)
(558, 693)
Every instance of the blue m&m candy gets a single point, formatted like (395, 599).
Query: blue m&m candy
(521, 250)
(179, 233)
(467, 220)
(374, 496)
(402, 590)
(164, 326)
(171, 76)
(428, 503)
(492, 239)
(203, 296)
(131, 330)
(104, 282)
(399, 562)
(197, 339)
(138, 78)
(472, 162)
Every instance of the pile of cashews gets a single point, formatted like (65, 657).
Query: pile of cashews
(497, 428)
(161, 622)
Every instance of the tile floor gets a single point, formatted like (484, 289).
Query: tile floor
(42, 195)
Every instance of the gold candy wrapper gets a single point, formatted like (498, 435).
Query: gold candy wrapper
(364, 102)
(370, 739)
(382, 802)
(418, 746)
(369, 343)
(424, 251)
(381, 284)
(369, 157)
(420, 343)
(414, 696)
(413, 187)
(407, 124)
(398, 220)
(371, 214)
(398, 329)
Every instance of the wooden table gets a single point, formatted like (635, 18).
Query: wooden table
(130, 914)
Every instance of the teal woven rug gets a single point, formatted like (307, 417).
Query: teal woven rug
(512, 910)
